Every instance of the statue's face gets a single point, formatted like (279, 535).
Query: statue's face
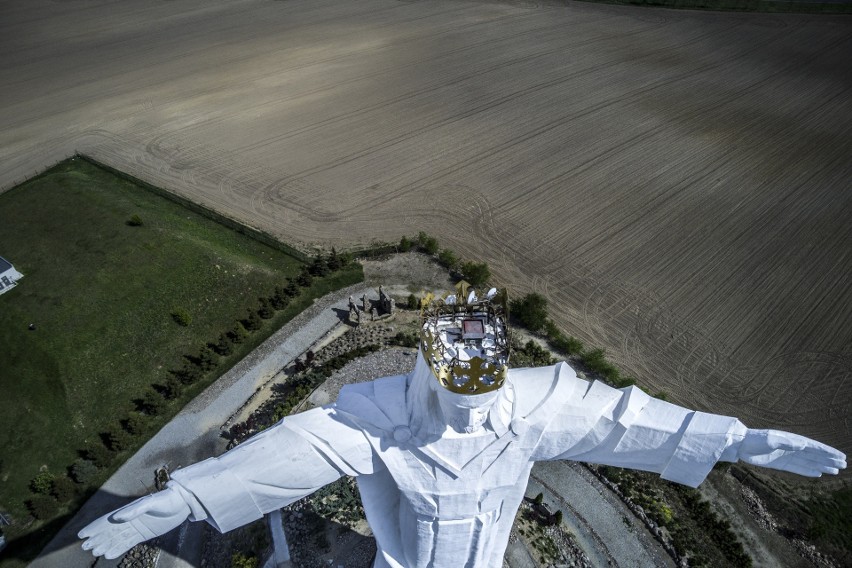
(465, 414)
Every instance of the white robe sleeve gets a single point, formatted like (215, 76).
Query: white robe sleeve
(628, 428)
(282, 464)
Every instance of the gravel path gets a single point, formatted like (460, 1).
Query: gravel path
(193, 434)
(606, 531)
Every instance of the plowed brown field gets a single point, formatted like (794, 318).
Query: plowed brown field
(679, 184)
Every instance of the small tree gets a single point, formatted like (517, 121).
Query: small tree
(135, 221)
(413, 302)
(173, 386)
(99, 454)
(207, 359)
(557, 518)
(117, 439)
(42, 483)
(430, 245)
(405, 244)
(151, 402)
(181, 317)
(292, 288)
(279, 299)
(135, 423)
(83, 471)
(530, 310)
(239, 333)
(265, 309)
(304, 279)
(319, 267)
(477, 273)
(43, 507)
(252, 322)
(335, 261)
(539, 499)
(448, 259)
(63, 488)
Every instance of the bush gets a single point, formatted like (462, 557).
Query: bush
(83, 471)
(43, 507)
(568, 345)
(99, 454)
(413, 303)
(477, 273)
(173, 386)
(335, 261)
(135, 221)
(238, 334)
(253, 321)
(405, 339)
(151, 402)
(427, 244)
(405, 244)
(319, 266)
(596, 361)
(117, 439)
(224, 346)
(265, 309)
(181, 317)
(42, 483)
(240, 560)
(304, 279)
(448, 259)
(279, 299)
(207, 359)
(530, 311)
(187, 374)
(134, 423)
(292, 288)
(63, 488)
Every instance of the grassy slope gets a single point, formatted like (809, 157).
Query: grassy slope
(100, 293)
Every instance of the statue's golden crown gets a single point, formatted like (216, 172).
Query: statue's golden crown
(465, 339)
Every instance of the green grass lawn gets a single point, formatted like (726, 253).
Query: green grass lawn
(100, 293)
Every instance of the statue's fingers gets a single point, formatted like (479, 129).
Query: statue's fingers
(95, 527)
(800, 468)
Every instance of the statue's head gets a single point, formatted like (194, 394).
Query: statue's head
(465, 343)
(464, 340)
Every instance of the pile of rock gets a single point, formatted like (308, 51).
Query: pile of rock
(141, 556)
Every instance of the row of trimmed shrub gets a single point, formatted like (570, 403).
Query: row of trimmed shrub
(530, 311)
(476, 273)
(51, 491)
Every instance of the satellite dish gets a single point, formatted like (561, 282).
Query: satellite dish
(471, 298)
(450, 300)
(491, 293)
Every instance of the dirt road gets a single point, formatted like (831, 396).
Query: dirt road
(676, 183)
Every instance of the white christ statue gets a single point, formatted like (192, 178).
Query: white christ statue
(443, 454)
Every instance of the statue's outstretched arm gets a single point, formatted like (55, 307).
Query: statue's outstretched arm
(271, 470)
(628, 428)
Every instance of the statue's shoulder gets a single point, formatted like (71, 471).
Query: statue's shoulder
(380, 403)
(541, 391)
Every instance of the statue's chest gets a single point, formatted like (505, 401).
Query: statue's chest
(451, 478)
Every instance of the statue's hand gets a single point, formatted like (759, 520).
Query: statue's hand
(790, 452)
(114, 534)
